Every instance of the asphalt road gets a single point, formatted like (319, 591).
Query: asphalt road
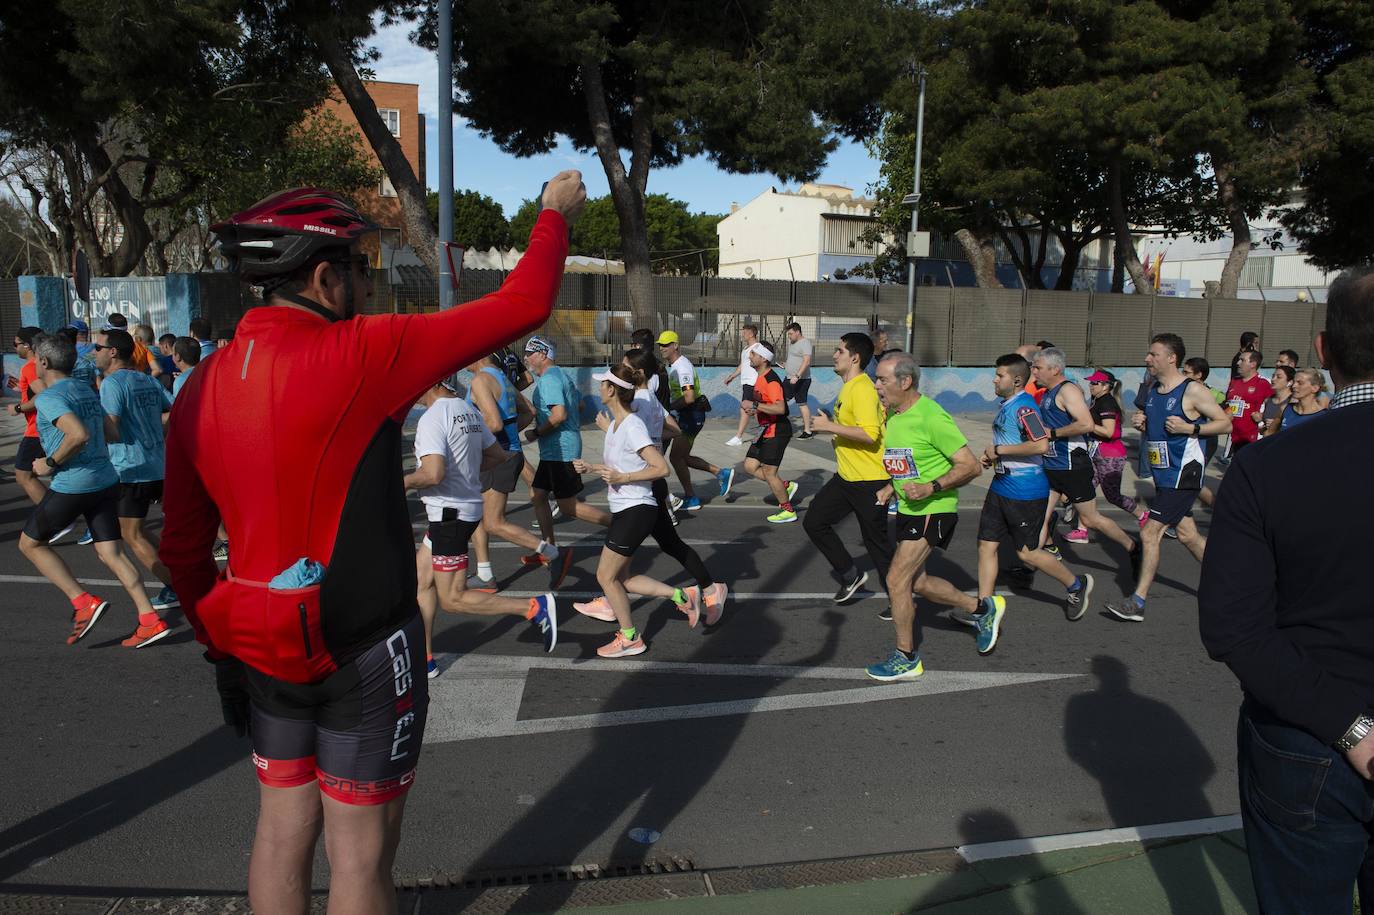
(759, 741)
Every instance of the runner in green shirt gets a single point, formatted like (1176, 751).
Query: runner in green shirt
(928, 459)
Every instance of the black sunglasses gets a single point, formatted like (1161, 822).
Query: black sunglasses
(357, 260)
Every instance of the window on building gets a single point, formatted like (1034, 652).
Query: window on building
(1258, 271)
(843, 236)
(387, 189)
(392, 119)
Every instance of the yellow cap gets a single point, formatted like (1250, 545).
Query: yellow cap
(668, 336)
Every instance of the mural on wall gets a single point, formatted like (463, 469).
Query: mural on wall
(143, 300)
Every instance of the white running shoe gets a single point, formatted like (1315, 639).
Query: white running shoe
(734, 441)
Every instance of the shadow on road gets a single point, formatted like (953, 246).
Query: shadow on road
(1151, 767)
(656, 770)
(111, 805)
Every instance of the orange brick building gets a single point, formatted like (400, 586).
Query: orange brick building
(399, 106)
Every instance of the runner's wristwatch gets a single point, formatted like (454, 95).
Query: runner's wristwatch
(936, 487)
(1355, 734)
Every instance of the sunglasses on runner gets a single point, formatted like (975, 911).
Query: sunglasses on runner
(357, 260)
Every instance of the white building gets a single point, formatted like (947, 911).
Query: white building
(808, 234)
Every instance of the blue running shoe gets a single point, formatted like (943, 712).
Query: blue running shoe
(86, 539)
(432, 668)
(892, 507)
(990, 624)
(726, 479)
(166, 599)
(895, 668)
(547, 620)
(1171, 533)
(692, 505)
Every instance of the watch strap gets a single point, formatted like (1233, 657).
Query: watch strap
(1355, 733)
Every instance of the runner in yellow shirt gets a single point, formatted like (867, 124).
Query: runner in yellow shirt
(858, 431)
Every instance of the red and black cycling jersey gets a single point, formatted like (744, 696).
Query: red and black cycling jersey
(291, 435)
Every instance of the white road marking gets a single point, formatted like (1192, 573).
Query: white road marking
(480, 695)
(1015, 848)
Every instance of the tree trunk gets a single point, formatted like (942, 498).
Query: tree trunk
(420, 232)
(1068, 266)
(982, 254)
(1121, 229)
(627, 189)
(1240, 231)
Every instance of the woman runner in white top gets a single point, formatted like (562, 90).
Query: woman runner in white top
(631, 462)
(707, 597)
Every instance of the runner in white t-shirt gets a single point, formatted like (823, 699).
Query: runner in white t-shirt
(452, 447)
(747, 376)
(631, 462)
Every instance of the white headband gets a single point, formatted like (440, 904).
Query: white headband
(618, 382)
(763, 351)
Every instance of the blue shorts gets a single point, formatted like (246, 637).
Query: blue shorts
(1170, 506)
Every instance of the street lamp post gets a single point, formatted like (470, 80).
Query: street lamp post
(914, 200)
(445, 152)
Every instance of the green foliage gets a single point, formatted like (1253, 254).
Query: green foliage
(679, 241)
(478, 221)
(1335, 222)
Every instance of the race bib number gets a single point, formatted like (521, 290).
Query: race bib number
(1236, 406)
(900, 465)
(1158, 453)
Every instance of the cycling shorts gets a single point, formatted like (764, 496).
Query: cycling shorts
(358, 732)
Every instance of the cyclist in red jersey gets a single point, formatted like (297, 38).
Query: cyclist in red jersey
(291, 436)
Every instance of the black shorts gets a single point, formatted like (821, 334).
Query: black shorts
(797, 391)
(1170, 506)
(748, 392)
(559, 478)
(504, 476)
(938, 529)
(769, 451)
(629, 528)
(448, 543)
(136, 498)
(358, 731)
(59, 509)
(690, 422)
(30, 449)
(1017, 519)
(1076, 483)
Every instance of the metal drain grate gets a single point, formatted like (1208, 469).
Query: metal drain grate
(516, 877)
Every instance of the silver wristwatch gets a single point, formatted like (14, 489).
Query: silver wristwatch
(1355, 734)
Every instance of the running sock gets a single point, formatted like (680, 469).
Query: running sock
(484, 571)
(785, 506)
(548, 550)
(909, 655)
(1139, 601)
(83, 601)
(149, 619)
(1076, 586)
(679, 597)
(630, 634)
(533, 611)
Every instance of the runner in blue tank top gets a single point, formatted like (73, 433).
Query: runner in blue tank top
(1016, 500)
(505, 412)
(1179, 415)
(1068, 465)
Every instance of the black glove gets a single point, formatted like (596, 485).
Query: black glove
(233, 692)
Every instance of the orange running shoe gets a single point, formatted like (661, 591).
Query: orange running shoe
(147, 635)
(621, 647)
(84, 618)
(533, 559)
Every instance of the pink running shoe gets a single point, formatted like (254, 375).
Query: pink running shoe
(621, 647)
(692, 608)
(598, 609)
(1144, 519)
(1077, 535)
(712, 602)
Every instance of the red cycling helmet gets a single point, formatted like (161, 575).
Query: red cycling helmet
(280, 233)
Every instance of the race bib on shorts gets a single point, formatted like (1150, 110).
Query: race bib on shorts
(1158, 452)
(900, 465)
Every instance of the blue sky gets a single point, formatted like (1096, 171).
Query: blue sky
(480, 165)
